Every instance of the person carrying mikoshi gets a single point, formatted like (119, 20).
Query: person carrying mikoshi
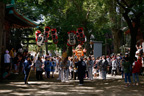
(27, 67)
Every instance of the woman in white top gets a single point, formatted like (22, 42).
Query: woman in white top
(7, 58)
(114, 66)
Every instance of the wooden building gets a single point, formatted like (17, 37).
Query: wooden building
(13, 20)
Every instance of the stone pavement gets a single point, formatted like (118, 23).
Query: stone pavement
(113, 86)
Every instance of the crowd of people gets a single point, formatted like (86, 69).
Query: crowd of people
(21, 61)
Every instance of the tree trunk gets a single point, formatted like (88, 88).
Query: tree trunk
(46, 47)
(116, 21)
(87, 34)
(2, 16)
(133, 33)
(133, 45)
(117, 40)
(70, 51)
(133, 28)
(88, 46)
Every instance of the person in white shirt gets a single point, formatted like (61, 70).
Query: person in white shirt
(65, 70)
(7, 58)
(34, 60)
(39, 70)
(114, 66)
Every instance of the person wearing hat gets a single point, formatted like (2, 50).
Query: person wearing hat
(27, 67)
(7, 58)
(81, 70)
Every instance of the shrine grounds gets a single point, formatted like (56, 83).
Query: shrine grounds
(113, 86)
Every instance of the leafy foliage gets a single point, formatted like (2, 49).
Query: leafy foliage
(66, 15)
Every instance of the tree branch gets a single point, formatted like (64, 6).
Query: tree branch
(87, 15)
(121, 4)
(129, 6)
(125, 3)
(76, 5)
(128, 20)
(127, 10)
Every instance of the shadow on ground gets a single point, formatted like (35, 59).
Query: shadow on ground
(52, 87)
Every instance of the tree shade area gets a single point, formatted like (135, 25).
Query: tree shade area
(105, 32)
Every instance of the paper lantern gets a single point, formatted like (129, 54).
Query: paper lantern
(71, 38)
(80, 36)
(40, 40)
(54, 36)
(37, 33)
(46, 32)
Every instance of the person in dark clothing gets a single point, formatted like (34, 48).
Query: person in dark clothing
(47, 64)
(27, 67)
(81, 70)
(75, 68)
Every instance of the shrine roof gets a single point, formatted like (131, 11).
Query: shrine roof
(17, 19)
